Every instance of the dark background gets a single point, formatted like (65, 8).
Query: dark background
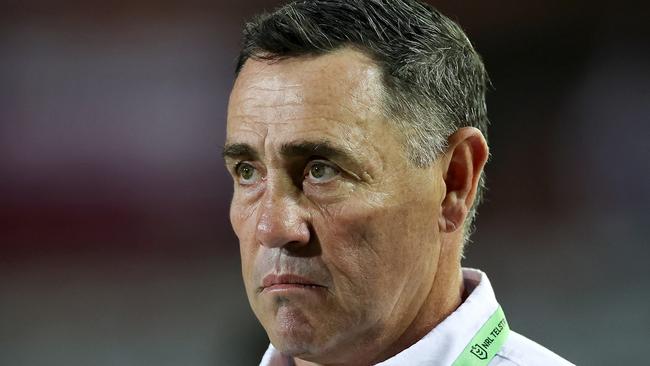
(115, 246)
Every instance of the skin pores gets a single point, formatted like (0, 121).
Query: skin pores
(338, 234)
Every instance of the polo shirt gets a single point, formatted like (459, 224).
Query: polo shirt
(444, 343)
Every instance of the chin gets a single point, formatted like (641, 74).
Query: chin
(291, 332)
(316, 352)
(302, 349)
(295, 334)
(302, 341)
(300, 329)
(295, 348)
(295, 344)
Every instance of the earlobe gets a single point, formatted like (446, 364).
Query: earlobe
(465, 159)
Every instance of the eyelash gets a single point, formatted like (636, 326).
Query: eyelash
(310, 165)
(306, 171)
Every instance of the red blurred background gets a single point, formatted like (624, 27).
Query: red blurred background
(115, 245)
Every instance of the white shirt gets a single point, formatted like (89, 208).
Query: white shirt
(447, 340)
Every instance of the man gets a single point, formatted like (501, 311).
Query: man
(356, 140)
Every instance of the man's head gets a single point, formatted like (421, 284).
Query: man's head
(433, 80)
(352, 142)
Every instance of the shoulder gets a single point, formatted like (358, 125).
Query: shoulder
(521, 351)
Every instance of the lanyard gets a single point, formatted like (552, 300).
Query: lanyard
(486, 343)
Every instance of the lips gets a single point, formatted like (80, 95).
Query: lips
(288, 282)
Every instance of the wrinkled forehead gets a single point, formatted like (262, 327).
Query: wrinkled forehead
(343, 85)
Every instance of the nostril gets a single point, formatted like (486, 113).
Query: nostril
(307, 246)
(282, 228)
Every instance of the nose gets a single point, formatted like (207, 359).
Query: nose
(281, 222)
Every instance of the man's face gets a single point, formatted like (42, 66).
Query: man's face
(338, 233)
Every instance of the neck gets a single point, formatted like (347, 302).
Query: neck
(445, 297)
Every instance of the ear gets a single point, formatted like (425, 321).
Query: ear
(463, 164)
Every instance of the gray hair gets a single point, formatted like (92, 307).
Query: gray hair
(434, 80)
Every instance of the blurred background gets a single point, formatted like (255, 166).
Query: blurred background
(115, 245)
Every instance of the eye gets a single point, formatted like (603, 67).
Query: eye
(246, 173)
(321, 172)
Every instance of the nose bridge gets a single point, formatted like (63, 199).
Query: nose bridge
(281, 220)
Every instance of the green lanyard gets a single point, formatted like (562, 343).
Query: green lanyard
(486, 343)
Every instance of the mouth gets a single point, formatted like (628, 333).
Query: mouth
(288, 282)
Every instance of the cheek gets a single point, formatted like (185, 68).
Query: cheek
(373, 248)
(243, 213)
(242, 219)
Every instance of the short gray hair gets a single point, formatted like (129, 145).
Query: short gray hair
(434, 80)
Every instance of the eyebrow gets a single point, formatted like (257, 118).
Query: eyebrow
(322, 148)
(239, 150)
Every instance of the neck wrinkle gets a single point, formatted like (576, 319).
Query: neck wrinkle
(444, 297)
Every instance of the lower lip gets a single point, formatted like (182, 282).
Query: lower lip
(292, 287)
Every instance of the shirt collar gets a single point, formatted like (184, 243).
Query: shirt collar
(447, 340)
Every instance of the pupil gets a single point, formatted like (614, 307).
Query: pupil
(317, 171)
(246, 172)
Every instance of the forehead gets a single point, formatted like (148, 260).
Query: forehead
(333, 96)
